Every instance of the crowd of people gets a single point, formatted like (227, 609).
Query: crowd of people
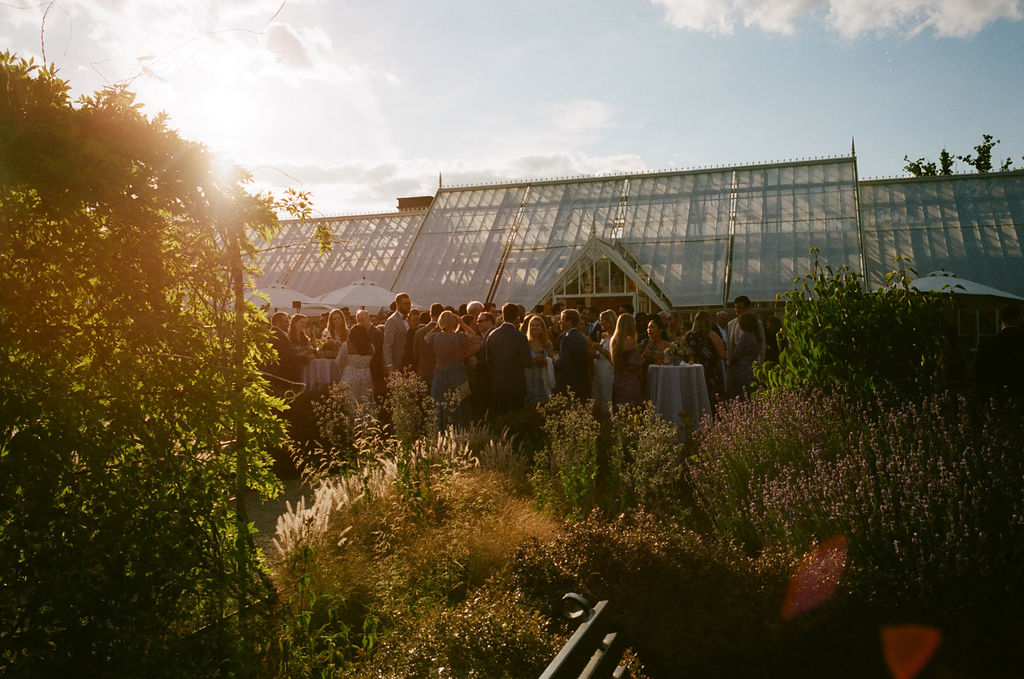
(486, 360)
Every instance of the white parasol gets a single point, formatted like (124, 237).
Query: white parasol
(947, 281)
(362, 293)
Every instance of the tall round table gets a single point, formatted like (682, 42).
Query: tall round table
(320, 371)
(679, 391)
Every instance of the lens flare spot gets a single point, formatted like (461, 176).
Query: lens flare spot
(908, 648)
(816, 578)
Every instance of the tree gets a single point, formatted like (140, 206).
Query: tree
(130, 392)
(885, 343)
(981, 162)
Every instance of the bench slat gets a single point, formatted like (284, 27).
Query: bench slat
(605, 660)
(579, 650)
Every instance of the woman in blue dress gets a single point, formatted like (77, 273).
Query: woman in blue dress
(452, 341)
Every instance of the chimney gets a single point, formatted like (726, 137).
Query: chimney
(414, 203)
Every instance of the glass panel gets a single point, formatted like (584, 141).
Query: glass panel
(458, 251)
(558, 219)
(373, 246)
(618, 279)
(783, 212)
(972, 225)
(603, 276)
(586, 279)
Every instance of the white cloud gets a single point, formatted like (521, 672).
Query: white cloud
(364, 186)
(849, 18)
(580, 116)
(949, 18)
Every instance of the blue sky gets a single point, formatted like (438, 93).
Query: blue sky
(364, 101)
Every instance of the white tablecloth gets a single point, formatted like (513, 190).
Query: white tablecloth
(320, 371)
(677, 389)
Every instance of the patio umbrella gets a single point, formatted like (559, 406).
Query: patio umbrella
(936, 281)
(362, 293)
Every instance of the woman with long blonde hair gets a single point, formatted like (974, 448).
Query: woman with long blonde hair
(538, 381)
(335, 333)
(627, 385)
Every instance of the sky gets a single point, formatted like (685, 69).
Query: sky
(362, 101)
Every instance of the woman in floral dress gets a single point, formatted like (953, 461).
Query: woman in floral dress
(706, 347)
(354, 358)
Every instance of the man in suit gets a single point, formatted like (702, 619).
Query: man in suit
(508, 354)
(395, 329)
(593, 328)
(999, 365)
(722, 326)
(422, 354)
(285, 365)
(741, 305)
(482, 387)
(571, 365)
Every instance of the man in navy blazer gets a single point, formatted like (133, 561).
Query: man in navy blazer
(571, 366)
(508, 354)
(999, 364)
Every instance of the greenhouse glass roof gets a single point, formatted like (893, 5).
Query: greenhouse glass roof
(700, 237)
(972, 225)
(373, 246)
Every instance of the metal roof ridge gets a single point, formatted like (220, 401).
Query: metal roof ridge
(817, 160)
(356, 215)
(941, 177)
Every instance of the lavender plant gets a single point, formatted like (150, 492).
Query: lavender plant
(929, 495)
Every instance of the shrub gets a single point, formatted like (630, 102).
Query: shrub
(491, 635)
(413, 412)
(754, 442)
(928, 495)
(565, 470)
(872, 343)
(645, 464)
(690, 606)
(385, 548)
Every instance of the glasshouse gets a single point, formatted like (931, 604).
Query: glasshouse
(661, 240)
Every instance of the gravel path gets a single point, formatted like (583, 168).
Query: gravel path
(264, 514)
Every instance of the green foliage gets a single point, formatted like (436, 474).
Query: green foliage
(887, 342)
(981, 161)
(316, 638)
(645, 465)
(922, 167)
(566, 469)
(130, 394)
(413, 412)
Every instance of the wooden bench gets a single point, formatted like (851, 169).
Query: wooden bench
(593, 651)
